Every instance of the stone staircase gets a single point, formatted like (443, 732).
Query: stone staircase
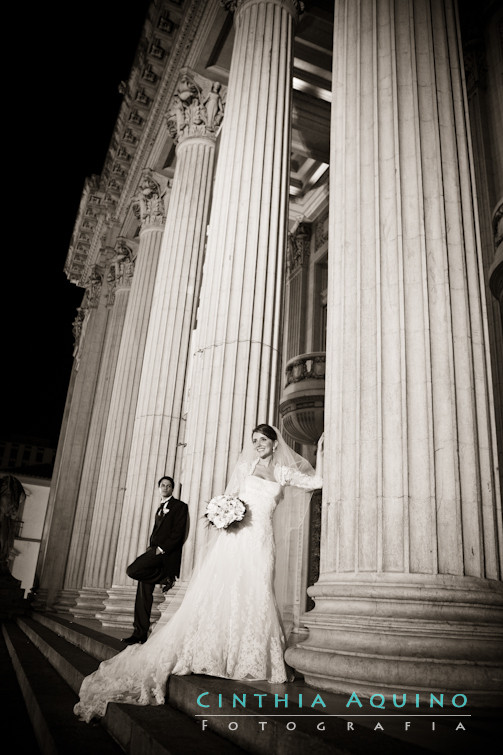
(51, 654)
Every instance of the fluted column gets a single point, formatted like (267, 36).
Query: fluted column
(89, 331)
(483, 63)
(235, 360)
(119, 278)
(193, 120)
(409, 594)
(117, 439)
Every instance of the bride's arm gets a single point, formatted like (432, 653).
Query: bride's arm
(319, 456)
(289, 476)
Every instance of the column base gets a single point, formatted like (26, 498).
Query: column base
(119, 607)
(372, 633)
(90, 601)
(66, 601)
(39, 599)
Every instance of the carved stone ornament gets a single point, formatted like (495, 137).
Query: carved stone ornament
(498, 225)
(496, 269)
(233, 5)
(94, 288)
(79, 329)
(298, 247)
(111, 285)
(148, 204)
(321, 231)
(77, 326)
(121, 269)
(193, 111)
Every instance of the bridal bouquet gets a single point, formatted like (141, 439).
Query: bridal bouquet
(224, 510)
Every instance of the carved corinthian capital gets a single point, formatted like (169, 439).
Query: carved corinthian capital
(197, 108)
(77, 327)
(498, 225)
(298, 247)
(111, 285)
(496, 269)
(233, 5)
(94, 288)
(148, 204)
(121, 270)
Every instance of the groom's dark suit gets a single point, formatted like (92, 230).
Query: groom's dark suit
(153, 567)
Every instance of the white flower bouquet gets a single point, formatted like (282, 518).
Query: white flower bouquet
(224, 510)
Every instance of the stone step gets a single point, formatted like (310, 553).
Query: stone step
(50, 702)
(271, 729)
(100, 645)
(145, 730)
(16, 722)
(266, 728)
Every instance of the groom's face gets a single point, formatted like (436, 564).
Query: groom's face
(165, 488)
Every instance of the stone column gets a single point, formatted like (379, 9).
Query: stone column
(89, 331)
(235, 361)
(119, 278)
(117, 436)
(193, 120)
(483, 64)
(409, 595)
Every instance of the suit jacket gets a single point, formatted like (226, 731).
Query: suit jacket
(168, 533)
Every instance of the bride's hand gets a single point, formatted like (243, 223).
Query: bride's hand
(321, 443)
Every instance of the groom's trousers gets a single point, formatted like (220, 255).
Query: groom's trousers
(149, 569)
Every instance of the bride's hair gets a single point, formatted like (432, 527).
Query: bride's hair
(266, 430)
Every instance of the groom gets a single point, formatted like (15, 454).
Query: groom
(160, 564)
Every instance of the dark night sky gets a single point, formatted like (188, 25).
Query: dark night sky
(63, 119)
(61, 102)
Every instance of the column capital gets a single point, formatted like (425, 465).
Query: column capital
(298, 247)
(148, 203)
(93, 288)
(497, 221)
(496, 269)
(77, 329)
(121, 270)
(296, 7)
(90, 301)
(197, 107)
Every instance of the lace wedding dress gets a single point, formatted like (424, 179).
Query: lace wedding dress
(228, 624)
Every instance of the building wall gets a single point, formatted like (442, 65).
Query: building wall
(224, 258)
(16, 453)
(27, 543)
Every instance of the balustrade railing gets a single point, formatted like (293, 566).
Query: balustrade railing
(305, 367)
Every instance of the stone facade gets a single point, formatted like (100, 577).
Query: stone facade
(299, 222)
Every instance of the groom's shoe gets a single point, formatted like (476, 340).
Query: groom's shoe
(134, 639)
(167, 584)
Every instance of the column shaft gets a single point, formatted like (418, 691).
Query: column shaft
(71, 453)
(235, 364)
(158, 414)
(410, 531)
(117, 442)
(74, 578)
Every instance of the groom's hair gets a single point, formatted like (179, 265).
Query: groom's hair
(171, 480)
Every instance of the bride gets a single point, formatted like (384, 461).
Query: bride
(228, 624)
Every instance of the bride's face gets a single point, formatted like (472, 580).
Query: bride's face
(263, 445)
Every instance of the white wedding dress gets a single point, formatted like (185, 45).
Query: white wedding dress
(228, 624)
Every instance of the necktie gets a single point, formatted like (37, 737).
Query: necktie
(163, 509)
